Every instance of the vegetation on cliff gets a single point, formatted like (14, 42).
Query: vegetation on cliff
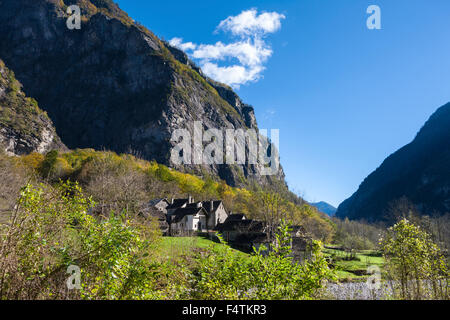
(23, 125)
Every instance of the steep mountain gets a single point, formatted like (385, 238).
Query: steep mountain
(420, 171)
(325, 208)
(24, 127)
(114, 85)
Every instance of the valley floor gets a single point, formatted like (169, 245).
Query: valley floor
(347, 269)
(351, 268)
(351, 273)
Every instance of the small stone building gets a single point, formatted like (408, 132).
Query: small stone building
(243, 233)
(216, 213)
(185, 216)
(157, 209)
(159, 204)
(187, 220)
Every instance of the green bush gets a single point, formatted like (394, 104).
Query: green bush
(224, 275)
(415, 263)
(51, 229)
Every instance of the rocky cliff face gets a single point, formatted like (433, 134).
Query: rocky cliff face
(24, 128)
(420, 171)
(113, 84)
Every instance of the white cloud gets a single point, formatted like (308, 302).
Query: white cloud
(248, 52)
(178, 42)
(251, 51)
(249, 23)
(232, 75)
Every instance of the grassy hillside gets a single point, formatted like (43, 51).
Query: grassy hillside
(125, 182)
(184, 247)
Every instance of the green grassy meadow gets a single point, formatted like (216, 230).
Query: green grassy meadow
(353, 268)
(184, 247)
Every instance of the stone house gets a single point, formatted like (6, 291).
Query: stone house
(243, 233)
(187, 220)
(185, 216)
(157, 209)
(216, 213)
(159, 204)
(246, 234)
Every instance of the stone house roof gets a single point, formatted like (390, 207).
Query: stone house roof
(211, 205)
(155, 202)
(178, 203)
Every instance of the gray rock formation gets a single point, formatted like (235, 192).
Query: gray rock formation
(114, 85)
(24, 128)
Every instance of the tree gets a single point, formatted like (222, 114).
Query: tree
(116, 184)
(272, 208)
(356, 235)
(415, 265)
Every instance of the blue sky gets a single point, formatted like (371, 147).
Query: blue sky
(344, 97)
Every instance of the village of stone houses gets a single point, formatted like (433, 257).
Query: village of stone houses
(186, 217)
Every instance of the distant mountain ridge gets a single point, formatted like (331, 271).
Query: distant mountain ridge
(114, 85)
(420, 171)
(325, 207)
